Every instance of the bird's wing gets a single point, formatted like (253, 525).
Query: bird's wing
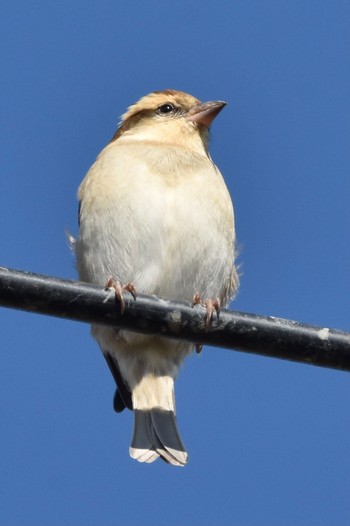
(122, 397)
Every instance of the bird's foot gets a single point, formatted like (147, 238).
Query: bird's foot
(210, 305)
(119, 289)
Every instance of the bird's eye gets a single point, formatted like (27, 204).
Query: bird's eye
(165, 108)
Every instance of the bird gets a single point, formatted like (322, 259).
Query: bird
(156, 217)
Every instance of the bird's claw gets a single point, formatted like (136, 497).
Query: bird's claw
(119, 289)
(198, 347)
(210, 305)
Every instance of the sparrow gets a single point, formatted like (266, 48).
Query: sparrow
(155, 217)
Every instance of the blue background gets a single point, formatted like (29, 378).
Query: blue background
(269, 440)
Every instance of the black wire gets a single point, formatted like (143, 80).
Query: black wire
(263, 335)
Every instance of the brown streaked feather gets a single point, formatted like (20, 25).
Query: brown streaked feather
(149, 103)
(129, 123)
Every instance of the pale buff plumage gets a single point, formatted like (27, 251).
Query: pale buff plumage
(155, 211)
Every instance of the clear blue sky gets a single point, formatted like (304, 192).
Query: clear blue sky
(269, 440)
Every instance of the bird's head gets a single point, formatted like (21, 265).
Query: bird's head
(170, 117)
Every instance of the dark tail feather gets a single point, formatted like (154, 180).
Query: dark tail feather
(156, 435)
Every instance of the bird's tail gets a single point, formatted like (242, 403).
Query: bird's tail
(155, 429)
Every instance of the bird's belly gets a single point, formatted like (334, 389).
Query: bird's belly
(162, 263)
(165, 240)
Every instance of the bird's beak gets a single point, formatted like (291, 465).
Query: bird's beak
(205, 112)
